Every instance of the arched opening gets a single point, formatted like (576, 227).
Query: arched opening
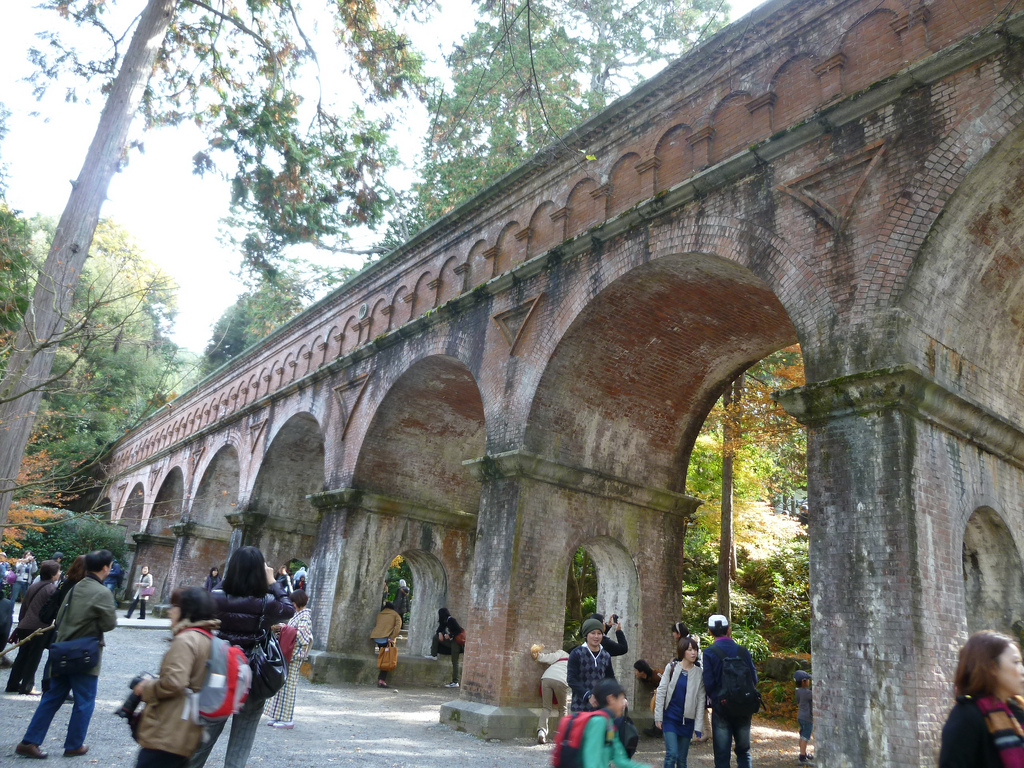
(617, 413)
(603, 579)
(283, 522)
(131, 513)
(217, 494)
(966, 289)
(155, 547)
(413, 497)
(204, 543)
(427, 582)
(993, 575)
(167, 505)
(431, 420)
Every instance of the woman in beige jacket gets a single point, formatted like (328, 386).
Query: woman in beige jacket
(168, 738)
(389, 624)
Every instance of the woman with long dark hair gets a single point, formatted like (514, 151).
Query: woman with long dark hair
(449, 639)
(986, 727)
(213, 581)
(249, 602)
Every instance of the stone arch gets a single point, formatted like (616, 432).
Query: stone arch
(797, 90)
(625, 184)
(427, 422)
(302, 362)
(289, 367)
(993, 575)
(479, 265)
(168, 503)
(332, 343)
(675, 157)
(131, 513)
(379, 318)
(451, 283)
(430, 592)
(965, 290)
(545, 232)
(586, 207)
(279, 518)
(217, 492)
(423, 295)
(508, 248)
(349, 335)
(714, 319)
(618, 591)
(734, 128)
(401, 307)
(872, 49)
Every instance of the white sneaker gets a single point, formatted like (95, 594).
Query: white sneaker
(452, 685)
(428, 656)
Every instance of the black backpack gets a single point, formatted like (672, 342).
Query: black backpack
(738, 695)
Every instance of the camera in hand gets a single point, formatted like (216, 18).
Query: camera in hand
(614, 619)
(131, 703)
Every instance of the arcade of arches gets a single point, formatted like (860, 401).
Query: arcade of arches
(496, 394)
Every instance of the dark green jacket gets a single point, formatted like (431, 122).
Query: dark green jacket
(92, 612)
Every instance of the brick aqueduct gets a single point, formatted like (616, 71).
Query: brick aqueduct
(528, 374)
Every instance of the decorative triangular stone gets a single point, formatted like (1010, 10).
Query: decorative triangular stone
(831, 190)
(349, 394)
(512, 322)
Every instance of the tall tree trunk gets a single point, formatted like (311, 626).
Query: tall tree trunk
(29, 365)
(727, 543)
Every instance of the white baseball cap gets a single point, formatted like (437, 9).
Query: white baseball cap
(718, 621)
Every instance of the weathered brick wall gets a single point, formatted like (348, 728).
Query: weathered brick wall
(573, 326)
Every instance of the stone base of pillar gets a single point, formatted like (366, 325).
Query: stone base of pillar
(411, 672)
(487, 721)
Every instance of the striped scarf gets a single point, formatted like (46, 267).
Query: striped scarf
(1005, 729)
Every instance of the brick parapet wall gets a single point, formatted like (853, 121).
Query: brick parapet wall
(766, 57)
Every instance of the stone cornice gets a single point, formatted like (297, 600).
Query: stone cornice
(387, 505)
(520, 463)
(271, 523)
(194, 529)
(906, 389)
(151, 538)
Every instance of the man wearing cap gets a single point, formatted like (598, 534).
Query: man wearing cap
(726, 728)
(588, 665)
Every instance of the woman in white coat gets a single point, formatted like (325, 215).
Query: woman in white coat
(143, 589)
(679, 702)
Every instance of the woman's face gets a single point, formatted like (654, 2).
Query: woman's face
(214, 572)
(174, 614)
(145, 570)
(690, 654)
(1009, 673)
(676, 636)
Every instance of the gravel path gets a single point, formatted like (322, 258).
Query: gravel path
(336, 726)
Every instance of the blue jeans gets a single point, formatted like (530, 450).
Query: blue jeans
(18, 590)
(677, 747)
(84, 687)
(724, 731)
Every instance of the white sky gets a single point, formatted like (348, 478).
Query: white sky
(173, 214)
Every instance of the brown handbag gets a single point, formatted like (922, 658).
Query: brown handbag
(387, 658)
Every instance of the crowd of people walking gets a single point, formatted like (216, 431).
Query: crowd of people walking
(264, 614)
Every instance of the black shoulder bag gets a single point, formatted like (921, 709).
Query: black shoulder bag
(269, 669)
(73, 657)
